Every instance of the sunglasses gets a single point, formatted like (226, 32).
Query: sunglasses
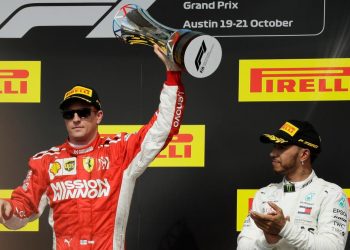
(82, 113)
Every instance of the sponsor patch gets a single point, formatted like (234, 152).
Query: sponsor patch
(88, 163)
(75, 189)
(342, 201)
(103, 163)
(69, 166)
(65, 166)
(289, 129)
(304, 210)
(275, 138)
(78, 90)
(83, 151)
(55, 168)
(309, 197)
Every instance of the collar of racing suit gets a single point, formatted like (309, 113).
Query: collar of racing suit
(82, 150)
(300, 184)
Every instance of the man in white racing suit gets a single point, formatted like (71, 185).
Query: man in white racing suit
(303, 211)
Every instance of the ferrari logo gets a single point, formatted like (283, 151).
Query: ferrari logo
(88, 163)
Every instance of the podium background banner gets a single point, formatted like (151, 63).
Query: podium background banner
(282, 59)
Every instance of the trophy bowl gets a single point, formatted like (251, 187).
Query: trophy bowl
(198, 53)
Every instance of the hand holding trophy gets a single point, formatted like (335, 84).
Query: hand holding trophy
(198, 53)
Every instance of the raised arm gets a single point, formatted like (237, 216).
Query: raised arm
(143, 146)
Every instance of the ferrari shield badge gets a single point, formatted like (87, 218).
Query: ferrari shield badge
(88, 163)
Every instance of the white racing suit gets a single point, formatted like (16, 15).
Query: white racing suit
(319, 216)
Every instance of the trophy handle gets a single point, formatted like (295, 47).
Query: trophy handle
(179, 42)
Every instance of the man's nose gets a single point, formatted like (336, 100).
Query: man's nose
(273, 153)
(76, 117)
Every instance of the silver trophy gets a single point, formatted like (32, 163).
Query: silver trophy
(198, 53)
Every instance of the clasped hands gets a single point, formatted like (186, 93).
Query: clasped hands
(271, 223)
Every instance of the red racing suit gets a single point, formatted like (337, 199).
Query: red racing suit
(89, 189)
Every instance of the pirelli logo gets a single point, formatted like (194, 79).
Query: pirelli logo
(289, 128)
(79, 90)
(185, 149)
(20, 81)
(30, 227)
(245, 199)
(294, 80)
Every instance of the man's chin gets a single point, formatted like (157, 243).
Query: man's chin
(277, 169)
(275, 165)
(76, 137)
(278, 172)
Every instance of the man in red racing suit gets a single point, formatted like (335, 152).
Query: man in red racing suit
(89, 187)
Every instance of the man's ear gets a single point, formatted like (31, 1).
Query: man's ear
(305, 154)
(99, 116)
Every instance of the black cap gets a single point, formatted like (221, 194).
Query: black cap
(79, 92)
(300, 133)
